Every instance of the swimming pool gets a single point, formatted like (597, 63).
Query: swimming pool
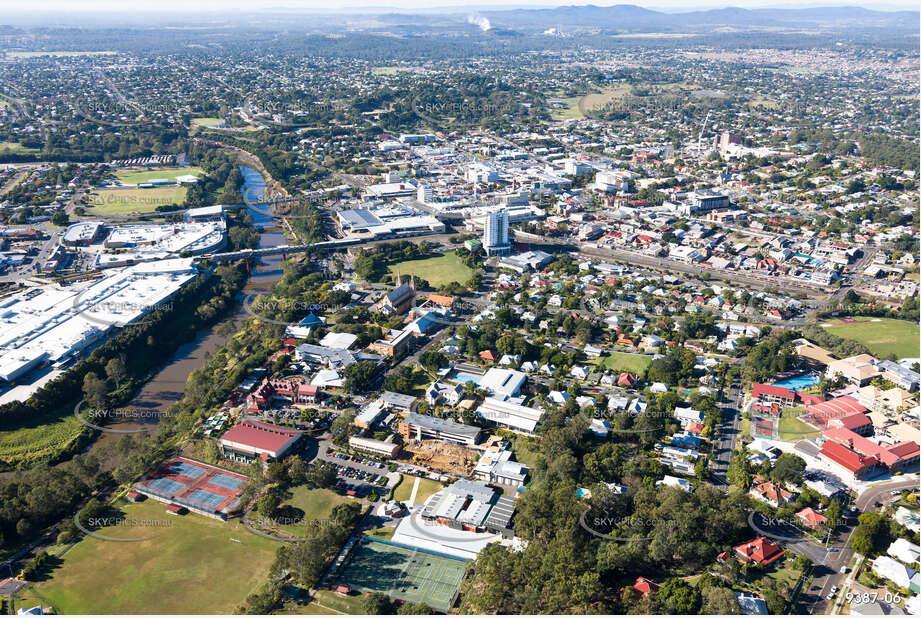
(466, 377)
(799, 382)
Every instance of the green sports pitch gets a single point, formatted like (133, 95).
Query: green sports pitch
(403, 573)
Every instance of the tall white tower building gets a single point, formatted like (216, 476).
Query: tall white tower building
(495, 233)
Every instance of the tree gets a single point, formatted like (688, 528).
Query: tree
(719, 601)
(676, 596)
(60, 218)
(116, 371)
(376, 604)
(268, 504)
(419, 609)
(94, 390)
(788, 468)
(359, 376)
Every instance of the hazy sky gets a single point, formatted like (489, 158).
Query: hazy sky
(332, 5)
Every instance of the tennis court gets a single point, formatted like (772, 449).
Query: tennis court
(404, 573)
(186, 469)
(227, 482)
(167, 486)
(206, 497)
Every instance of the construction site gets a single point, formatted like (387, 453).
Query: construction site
(441, 457)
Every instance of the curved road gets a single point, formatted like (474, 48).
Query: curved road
(828, 574)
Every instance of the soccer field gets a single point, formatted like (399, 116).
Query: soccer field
(410, 575)
(187, 564)
(884, 336)
(132, 176)
(127, 201)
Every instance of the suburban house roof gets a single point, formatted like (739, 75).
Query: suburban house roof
(759, 550)
(812, 518)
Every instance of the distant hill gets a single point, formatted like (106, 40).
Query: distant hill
(631, 18)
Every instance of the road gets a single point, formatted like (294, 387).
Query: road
(727, 436)
(828, 574)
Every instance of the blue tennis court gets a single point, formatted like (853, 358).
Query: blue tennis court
(206, 497)
(166, 486)
(181, 467)
(227, 482)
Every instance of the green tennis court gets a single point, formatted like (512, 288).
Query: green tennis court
(404, 573)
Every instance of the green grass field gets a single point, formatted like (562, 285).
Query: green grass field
(308, 508)
(44, 437)
(427, 487)
(135, 175)
(792, 429)
(883, 336)
(206, 122)
(328, 602)
(127, 201)
(623, 361)
(15, 147)
(409, 575)
(195, 565)
(385, 533)
(437, 270)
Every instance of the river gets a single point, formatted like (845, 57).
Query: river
(168, 384)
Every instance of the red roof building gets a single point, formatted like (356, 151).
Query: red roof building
(812, 518)
(645, 586)
(627, 380)
(834, 408)
(852, 461)
(808, 399)
(768, 394)
(488, 356)
(694, 427)
(894, 457)
(255, 440)
(858, 423)
(759, 550)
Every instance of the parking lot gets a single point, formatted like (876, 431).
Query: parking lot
(358, 475)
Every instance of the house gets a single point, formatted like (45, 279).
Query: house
(674, 481)
(771, 493)
(894, 571)
(645, 586)
(759, 550)
(688, 415)
(579, 373)
(627, 380)
(751, 605)
(811, 518)
(904, 550)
